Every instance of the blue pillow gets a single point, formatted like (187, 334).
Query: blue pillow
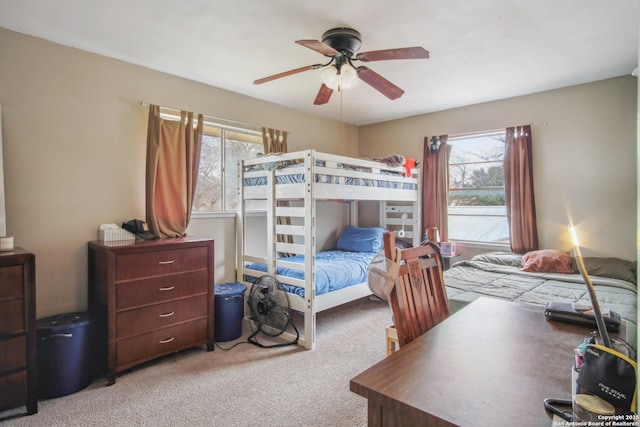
(358, 239)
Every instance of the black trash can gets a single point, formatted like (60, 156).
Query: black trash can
(229, 304)
(65, 362)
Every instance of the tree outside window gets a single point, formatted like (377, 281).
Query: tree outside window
(477, 210)
(222, 149)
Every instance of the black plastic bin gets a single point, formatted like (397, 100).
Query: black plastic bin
(229, 304)
(65, 362)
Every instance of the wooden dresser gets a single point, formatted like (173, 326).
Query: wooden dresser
(150, 298)
(18, 331)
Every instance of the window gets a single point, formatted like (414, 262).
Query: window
(222, 148)
(477, 210)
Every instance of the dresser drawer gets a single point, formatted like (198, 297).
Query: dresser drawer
(12, 316)
(131, 266)
(14, 390)
(11, 282)
(137, 349)
(18, 343)
(14, 354)
(141, 320)
(150, 291)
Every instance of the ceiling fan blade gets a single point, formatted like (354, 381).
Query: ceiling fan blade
(318, 46)
(379, 83)
(323, 95)
(287, 73)
(390, 54)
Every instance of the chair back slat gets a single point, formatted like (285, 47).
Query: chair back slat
(419, 299)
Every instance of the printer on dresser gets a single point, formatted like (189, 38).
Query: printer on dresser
(17, 330)
(150, 298)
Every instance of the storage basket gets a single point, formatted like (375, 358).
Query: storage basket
(111, 232)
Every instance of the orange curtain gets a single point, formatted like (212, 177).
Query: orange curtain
(519, 196)
(435, 186)
(173, 159)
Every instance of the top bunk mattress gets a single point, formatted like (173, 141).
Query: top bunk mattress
(331, 174)
(295, 175)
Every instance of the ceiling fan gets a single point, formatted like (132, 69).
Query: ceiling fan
(342, 45)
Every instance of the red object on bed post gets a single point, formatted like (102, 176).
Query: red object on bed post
(409, 164)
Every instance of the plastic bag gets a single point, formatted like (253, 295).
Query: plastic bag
(382, 275)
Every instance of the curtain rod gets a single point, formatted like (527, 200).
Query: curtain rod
(493, 131)
(218, 120)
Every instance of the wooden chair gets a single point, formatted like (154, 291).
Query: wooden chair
(419, 298)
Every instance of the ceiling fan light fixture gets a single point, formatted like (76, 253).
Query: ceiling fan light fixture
(345, 78)
(348, 76)
(329, 76)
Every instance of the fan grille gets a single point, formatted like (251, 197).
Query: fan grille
(270, 306)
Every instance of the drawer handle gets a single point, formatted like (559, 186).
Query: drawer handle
(168, 288)
(171, 261)
(168, 340)
(167, 314)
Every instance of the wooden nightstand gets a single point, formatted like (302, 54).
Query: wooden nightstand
(446, 260)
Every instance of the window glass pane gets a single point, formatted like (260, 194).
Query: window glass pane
(208, 196)
(217, 186)
(477, 208)
(238, 146)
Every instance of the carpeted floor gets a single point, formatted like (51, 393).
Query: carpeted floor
(244, 386)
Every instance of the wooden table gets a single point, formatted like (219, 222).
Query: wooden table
(490, 364)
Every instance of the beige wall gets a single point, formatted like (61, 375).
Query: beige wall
(74, 146)
(74, 153)
(584, 157)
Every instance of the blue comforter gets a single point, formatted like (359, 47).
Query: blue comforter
(334, 270)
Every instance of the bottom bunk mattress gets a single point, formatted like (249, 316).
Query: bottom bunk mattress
(334, 270)
(500, 275)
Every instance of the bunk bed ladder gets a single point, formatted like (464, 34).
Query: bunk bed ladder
(391, 219)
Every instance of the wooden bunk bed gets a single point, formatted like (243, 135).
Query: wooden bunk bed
(291, 185)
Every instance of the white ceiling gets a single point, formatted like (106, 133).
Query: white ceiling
(480, 50)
